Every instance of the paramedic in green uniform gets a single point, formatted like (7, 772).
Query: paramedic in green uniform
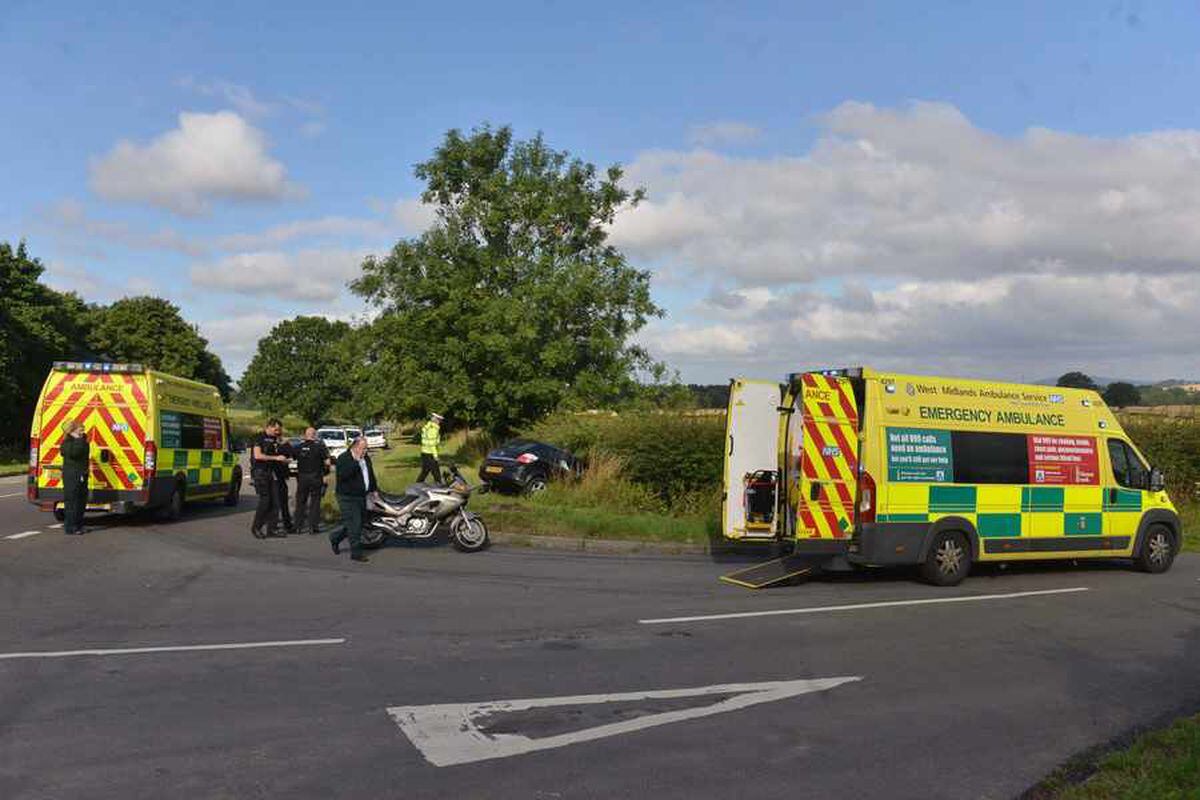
(76, 458)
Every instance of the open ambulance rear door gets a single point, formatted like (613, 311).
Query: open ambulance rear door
(749, 507)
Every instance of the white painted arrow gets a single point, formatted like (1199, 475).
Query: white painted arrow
(446, 734)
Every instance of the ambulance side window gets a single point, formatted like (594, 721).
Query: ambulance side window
(990, 458)
(1128, 469)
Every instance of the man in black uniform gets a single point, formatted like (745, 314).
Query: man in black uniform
(76, 464)
(312, 465)
(283, 448)
(264, 456)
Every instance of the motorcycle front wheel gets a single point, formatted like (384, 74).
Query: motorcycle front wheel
(469, 534)
(373, 537)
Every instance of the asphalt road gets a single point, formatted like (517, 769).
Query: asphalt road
(953, 700)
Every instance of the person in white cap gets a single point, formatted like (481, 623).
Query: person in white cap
(431, 437)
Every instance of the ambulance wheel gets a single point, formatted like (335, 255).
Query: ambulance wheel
(949, 559)
(60, 514)
(235, 490)
(173, 509)
(1158, 550)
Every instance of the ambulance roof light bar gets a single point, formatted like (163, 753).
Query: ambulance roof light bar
(845, 372)
(97, 366)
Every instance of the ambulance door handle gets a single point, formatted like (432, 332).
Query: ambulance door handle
(731, 444)
(103, 456)
(1112, 496)
(814, 492)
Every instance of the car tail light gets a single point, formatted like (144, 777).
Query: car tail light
(866, 498)
(31, 484)
(526, 458)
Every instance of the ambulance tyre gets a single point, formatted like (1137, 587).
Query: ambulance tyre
(60, 515)
(949, 559)
(173, 509)
(1158, 550)
(235, 489)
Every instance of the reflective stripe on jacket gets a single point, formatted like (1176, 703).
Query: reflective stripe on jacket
(431, 434)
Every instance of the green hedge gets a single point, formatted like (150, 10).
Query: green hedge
(669, 453)
(1172, 445)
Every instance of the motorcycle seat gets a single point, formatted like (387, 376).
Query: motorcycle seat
(397, 499)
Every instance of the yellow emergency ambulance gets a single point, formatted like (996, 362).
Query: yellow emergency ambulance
(876, 469)
(157, 440)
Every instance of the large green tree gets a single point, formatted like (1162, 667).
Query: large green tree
(301, 367)
(1121, 394)
(152, 331)
(1077, 380)
(37, 326)
(513, 300)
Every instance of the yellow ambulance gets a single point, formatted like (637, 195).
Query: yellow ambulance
(157, 440)
(877, 469)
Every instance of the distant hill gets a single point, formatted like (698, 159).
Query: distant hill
(1103, 381)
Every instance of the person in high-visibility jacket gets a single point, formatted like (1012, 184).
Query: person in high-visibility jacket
(431, 437)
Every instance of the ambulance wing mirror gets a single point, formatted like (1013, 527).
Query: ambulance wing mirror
(1157, 480)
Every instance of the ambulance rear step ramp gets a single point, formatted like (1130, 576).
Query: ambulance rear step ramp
(775, 572)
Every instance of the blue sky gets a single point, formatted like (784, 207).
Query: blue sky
(825, 179)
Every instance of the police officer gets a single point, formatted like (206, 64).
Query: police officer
(264, 456)
(283, 448)
(312, 465)
(76, 453)
(431, 437)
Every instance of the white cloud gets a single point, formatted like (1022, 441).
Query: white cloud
(314, 276)
(412, 215)
(323, 227)
(70, 217)
(94, 286)
(922, 191)
(712, 134)
(235, 336)
(208, 157)
(688, 340)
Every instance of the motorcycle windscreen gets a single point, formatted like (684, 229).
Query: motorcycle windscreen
(751, 460)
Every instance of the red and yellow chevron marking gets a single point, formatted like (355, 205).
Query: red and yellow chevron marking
(113, 410)
(829, 456)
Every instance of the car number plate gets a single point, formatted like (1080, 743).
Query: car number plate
(494, 469)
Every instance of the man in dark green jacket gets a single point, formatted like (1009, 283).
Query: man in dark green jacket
(355, 480)
(76, 456)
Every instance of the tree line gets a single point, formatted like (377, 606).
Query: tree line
(39, 326)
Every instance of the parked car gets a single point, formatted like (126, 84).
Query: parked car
(527, 466)
(375, 439)
(293, 442)
(335, 439)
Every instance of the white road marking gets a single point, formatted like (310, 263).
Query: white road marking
(56, 525)
(185, 648)
(974, 598)
(14, 494)
(447, 734)
(23, 535)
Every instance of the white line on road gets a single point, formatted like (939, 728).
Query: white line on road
(185, 648)
(14, 494)
(56, 525)
(449, 733)
(862, 606)
(23, 535)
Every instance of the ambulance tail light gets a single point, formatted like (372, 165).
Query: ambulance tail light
(866, 498)
(31, 484)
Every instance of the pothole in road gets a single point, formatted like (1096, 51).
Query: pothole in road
(537, 723)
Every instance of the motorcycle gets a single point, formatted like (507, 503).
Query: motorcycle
(422, 511)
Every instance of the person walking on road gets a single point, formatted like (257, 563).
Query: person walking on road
(76, 458)
(264, 455)
(431, 437)
(312, 465)
(355, 480)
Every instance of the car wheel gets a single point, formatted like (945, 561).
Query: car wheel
(949, 559)
(173, 510)
(1158, 550)
(535, 485)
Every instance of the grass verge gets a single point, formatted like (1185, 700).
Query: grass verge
(584, 509)
(1189, 516)
(13, 462)
(1158, 765)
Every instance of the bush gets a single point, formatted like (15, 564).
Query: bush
(1172, 445)
(678, 457)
